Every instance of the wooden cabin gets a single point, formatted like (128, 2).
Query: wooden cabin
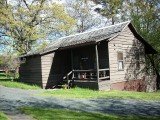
(112, 57)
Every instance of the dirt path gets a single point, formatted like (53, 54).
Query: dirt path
(11, 99)
(18, 116)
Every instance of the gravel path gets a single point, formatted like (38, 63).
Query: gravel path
(12, 98)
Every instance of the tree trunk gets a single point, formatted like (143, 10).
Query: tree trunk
(112, 20)
(158, 81)
(151, 58)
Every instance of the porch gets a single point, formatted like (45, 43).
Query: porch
(89, 66)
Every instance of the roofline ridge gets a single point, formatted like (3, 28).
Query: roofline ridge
(88, 32)
(79, 34)
(95, 30)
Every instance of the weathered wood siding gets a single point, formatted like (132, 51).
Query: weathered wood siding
(104, 85)
(46, 70)
(54, 66)
(126, 43)
(30, 71)
(46, 63)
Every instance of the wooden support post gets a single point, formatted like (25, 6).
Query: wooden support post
(72, 61)
(97, 62)
(72, 58)
(68, 82)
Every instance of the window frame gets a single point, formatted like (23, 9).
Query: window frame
(120, 61)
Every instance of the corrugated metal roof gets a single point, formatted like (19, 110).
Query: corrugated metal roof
(80, 38)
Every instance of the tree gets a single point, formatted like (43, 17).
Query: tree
(110, 8)
(80, 10)
(23, 22)
(146, 18)
(9, 64)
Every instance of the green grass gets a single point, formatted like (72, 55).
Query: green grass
(4, 81)
(86, 93)
(81, 93)
(3, 116)
(19, 85)
(61, 114)
(3, 76)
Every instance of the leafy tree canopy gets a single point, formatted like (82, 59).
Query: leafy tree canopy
(80, 10)
(110, 8)
(23, 22)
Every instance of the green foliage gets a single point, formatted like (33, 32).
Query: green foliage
(110, 8)
(145, 17)
(9, 64)
(3, 116)
(23, 22)
(2, 60)
(86, 93)
(60, 114)
(146, 20)
(80, 10)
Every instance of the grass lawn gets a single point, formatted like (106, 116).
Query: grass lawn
(86, 93)
(4, 81)
(3, 116)
(61, 114)
(81, 93)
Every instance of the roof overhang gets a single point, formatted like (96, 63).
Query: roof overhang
(93, 37)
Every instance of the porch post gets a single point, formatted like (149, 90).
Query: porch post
(97, 62)
(72, 58)
(72, 62)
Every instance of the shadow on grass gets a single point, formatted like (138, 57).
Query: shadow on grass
(8, 79)
(2, 75)
(134, 110)
(54, 114)
(106, 106)
(4, 80)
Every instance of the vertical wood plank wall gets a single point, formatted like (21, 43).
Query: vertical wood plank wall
(125, 43)
(30, 71)
(54, 67)
(46, 63)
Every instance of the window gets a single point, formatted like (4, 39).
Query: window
(120, 61)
